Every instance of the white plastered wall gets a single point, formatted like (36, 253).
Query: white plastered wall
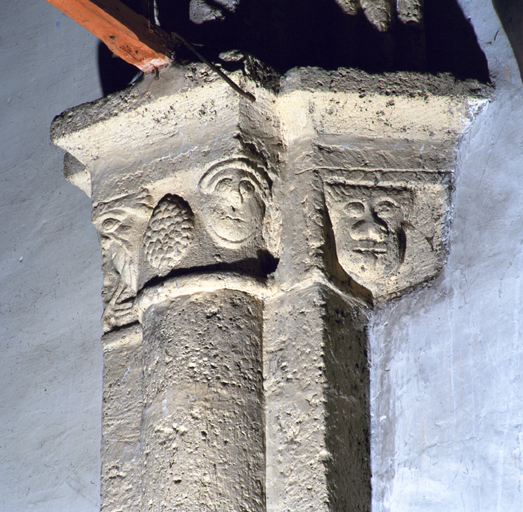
(50, 280)
(447, 360)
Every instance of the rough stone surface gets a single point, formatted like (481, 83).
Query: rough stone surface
(203, 431)
(122, 458)
(316, 385)
(202, 217)
(321, 201)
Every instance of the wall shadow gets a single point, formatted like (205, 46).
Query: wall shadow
(347, 406)
(115, 73)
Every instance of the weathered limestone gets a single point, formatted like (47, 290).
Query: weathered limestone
(317, 386)
(244, 246)
(387, 226)
(122, 457)
(203, 427)
(380, 13)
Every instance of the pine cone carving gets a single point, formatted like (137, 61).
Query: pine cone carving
(169, 232)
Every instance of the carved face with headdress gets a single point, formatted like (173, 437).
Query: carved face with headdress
(235, 197)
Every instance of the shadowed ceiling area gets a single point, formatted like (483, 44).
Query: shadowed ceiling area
(289, 33)
(510, 13)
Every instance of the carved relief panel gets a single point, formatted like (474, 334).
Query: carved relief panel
(119, 223)
(187, 207)
(169, 233)
(188, 219)
(387, 226)
(235, 196)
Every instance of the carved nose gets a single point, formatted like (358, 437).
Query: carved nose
(236, 199)
(369, 230)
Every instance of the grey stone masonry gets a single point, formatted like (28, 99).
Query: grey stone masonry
(244, 247)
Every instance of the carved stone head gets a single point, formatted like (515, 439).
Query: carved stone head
(235, 199)
(368, 223)
(387, 229)
(120, 224)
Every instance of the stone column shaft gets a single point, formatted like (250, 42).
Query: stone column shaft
(203, 431)
(317, 390)
(122, 458)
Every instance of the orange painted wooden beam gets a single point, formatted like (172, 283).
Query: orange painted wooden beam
(127, 34)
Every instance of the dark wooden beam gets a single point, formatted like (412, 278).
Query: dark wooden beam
(127, 34)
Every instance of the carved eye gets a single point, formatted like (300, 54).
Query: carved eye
(224, 185)
(110, 224)
(355, 208)
(386, 208)
(246, 188)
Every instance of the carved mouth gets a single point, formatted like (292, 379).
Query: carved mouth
(375, 249)
(236, 219)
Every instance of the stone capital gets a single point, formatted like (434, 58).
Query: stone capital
(244, 244)
(168, 161)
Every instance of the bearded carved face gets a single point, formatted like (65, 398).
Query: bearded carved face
(120, 224)
(234, 201)
(368, 224)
